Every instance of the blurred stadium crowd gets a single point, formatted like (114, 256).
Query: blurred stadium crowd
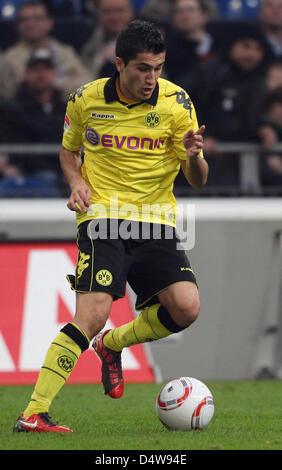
(227, 54)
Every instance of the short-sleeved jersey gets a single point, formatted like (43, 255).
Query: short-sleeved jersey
(132, 152)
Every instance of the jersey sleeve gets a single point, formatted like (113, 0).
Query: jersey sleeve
(73, 129)
(185, 119)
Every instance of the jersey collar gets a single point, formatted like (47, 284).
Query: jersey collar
(110, 92)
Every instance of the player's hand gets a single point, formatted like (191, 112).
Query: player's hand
(194, 142)
(79, 200)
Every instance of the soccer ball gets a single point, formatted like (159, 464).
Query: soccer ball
(184, 404)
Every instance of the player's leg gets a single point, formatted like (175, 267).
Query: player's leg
(178, 308)
(96, 284)
(164, 281)
(111, 360)
(92, 311)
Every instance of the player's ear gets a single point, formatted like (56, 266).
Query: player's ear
(119, 64)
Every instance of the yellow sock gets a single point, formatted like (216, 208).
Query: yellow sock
(59, 362)
(146, 327)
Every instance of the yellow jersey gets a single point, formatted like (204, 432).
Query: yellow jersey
(132, 151)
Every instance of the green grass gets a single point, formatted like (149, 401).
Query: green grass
(248, 416)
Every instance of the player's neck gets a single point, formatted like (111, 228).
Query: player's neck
(122, 93)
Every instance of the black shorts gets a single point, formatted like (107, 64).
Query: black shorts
(149, 264)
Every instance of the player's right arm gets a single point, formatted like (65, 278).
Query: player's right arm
(70, 157)
(79, 199)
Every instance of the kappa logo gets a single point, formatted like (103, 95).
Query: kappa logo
(184, 99)
(102, 116)
(82, 265)
(78, 93)
(181, 98)
(66, 363)
(152, 119)
(104, 277)
(186, 269)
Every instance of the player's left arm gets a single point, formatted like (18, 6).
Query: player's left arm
(195, 167)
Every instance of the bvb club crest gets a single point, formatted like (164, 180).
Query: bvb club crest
(152, 119)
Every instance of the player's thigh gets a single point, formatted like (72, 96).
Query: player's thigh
(99, 278)
(159, 264)
(100, 264)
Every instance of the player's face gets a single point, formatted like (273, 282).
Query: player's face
(139, 77)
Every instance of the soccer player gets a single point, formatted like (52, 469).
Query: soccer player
(136, 130)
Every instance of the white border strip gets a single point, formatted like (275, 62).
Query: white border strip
(38, 210)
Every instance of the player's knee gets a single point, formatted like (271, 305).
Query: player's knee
(100, 312)
(182, 304)
(193, 311)
(188, 312)
(92, 312)
(185, 312)
(99, 321)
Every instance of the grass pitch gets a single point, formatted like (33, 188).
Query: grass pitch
(248, 416)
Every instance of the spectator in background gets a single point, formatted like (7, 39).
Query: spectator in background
(8, 171)
(98, 53)
(270, 133)
(67, 8)
(159, 11)
(1, 72)
(226, 91)
(273, 75)
(188, 42)
(270, 17)
(35, 115)
(271, 81)
(34, 27)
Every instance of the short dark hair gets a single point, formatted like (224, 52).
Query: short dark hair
(33, 3)
(139, 36)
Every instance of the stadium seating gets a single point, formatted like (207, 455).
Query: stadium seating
(235, 9)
